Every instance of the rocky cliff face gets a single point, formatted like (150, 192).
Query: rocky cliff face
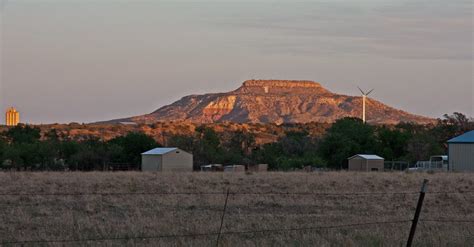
(276, 101)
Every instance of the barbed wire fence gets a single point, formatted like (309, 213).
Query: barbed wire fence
(227, 195)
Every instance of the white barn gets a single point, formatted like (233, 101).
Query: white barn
(461, 152)
(167, 160)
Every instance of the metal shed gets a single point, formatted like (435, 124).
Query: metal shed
(461, 152)
(167, 160)
(234, 168)
(366, 162)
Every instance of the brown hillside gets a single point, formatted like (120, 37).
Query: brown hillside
(275, 101)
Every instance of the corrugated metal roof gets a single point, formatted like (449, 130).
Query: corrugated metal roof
(467, 137)
(160, 151)
(368, 156)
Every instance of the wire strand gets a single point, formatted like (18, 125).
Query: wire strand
(232, 193)
(448, 221)
(191, 235)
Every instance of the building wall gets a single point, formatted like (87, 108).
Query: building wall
(177, 161)
(152, 163)
(461, 157)
(360, 164)
(235, 168)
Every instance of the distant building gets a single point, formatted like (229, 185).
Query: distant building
(366, 162)
(12, 117)
(258, 168)
(461, 152)
(234, 168)
(167, 160)
(212, 168)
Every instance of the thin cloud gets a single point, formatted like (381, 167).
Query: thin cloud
(415, 30)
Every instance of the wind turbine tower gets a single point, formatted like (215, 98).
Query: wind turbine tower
(364, 99)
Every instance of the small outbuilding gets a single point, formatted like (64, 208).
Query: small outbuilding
(461, 153)
(258, 168)
(366, 162)
(167, 160)
(212, 168)
(234, 168)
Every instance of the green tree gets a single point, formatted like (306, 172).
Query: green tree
(293, 151)
(52, 135)
(423, 145)
(92, 154)
(270, 154)
(23, 134)
(183, 142)
(451, 126)
(25, 156)
(238, 150)
(345, 138)
(128, 148)
(3, 146)
(392, 143)
(208, 147)
(12, 158)
(67, 149)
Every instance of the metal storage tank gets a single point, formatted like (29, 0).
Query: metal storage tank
(12, 117)
(167, 160)
(461, 152)
(366, 162)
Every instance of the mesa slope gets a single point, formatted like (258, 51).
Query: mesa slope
(275, 101)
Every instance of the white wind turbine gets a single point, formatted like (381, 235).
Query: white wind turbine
(364, 98)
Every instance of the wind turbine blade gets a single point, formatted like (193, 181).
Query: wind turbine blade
(370, 92)
(361, 91)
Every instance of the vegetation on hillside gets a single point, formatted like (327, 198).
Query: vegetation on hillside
(29, 148)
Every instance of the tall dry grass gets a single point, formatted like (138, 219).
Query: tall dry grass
(43, 216)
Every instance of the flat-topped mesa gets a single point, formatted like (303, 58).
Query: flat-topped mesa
(275, 101)
(281, 83)
(280, 86)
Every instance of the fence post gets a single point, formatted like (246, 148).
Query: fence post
(417, 213)
(222, 219)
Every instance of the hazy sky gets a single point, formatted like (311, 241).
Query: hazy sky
(83, 61)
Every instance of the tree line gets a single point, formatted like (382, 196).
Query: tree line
(24, 147)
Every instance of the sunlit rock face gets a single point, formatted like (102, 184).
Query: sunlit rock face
(280, 87)
(276, 101)
(219, 108)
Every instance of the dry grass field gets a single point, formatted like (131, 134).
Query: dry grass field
(316, 209)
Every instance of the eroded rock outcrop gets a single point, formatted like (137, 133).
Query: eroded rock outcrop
(276, 101)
